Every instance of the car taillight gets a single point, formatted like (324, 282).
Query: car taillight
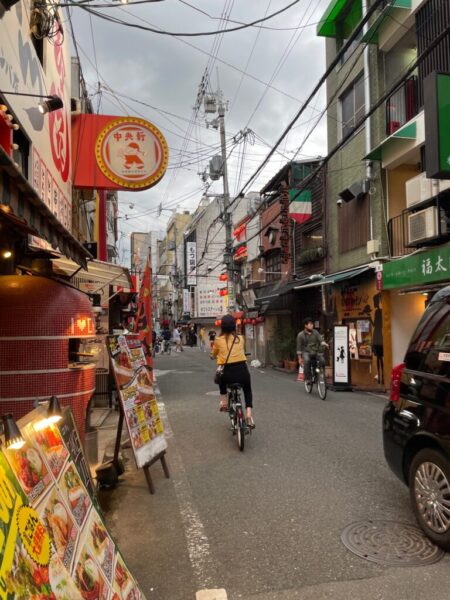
(396, 377)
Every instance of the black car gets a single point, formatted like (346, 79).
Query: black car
(416, 421)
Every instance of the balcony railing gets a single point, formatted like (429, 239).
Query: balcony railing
(398, 236)
(402, 106)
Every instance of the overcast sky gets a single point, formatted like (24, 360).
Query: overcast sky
(264, 73)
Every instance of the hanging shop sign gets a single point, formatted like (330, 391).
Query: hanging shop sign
(117, 153)
(437, 125)
(137, 398)
(341, 363)
(186, 301)
(55, 544)
(284, 229)
(191, 260)
(418, 269)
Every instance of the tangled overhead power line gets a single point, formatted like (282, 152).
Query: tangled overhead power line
(89, 8)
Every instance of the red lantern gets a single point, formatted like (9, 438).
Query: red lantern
(223, 277)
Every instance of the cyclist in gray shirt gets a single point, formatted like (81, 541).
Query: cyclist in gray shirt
(310, 345)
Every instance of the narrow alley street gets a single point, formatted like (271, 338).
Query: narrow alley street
(264, 524)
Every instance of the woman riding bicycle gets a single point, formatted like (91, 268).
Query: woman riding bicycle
(235, 368)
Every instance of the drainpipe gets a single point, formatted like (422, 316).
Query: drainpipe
(368, 135)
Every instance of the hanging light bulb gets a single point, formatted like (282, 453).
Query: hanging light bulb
(13, 437)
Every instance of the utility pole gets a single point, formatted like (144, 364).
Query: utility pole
(228, 255)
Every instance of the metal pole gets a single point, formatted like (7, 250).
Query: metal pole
(227, 215)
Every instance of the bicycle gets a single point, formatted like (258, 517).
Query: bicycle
(236, 412)
(317, 375)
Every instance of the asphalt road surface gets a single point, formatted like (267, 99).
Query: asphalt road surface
(264, 524)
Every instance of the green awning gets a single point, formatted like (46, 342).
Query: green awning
(340, 18)
(371, 35)
(407, 132)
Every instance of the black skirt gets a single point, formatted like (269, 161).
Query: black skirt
(238, 373)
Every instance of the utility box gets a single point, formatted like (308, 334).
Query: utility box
(373, 246)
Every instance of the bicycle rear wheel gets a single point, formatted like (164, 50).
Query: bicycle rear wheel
(240, 429)
(322, 384)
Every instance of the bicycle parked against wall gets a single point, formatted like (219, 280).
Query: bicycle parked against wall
(236, 412)
(317, 375)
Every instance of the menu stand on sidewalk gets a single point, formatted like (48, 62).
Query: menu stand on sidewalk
(146, 468)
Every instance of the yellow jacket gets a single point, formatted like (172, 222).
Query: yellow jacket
(222, 345)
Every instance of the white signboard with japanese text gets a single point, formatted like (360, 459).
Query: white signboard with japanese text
(186, 301)
(191, 263)
(21, 71)
(209, 303)
(341, 373)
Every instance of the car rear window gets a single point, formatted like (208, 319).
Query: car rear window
(429, 349)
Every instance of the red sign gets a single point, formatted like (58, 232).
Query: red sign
(117, 153)
(379, 280)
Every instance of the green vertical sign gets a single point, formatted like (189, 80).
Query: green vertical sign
(437, 125)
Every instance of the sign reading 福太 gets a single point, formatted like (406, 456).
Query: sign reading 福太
(423, 268)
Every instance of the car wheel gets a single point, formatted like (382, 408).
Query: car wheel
(429, 487)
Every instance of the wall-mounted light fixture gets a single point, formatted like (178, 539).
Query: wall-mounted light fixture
(46, 104)
(50, 105)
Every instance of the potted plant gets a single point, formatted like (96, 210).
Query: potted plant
(284, 348)
(290, 350)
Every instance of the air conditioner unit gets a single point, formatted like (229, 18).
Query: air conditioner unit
(419, 189)
(423, 225)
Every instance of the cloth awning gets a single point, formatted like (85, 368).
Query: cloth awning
(273, 291)
(20, 201)
(95, 276)
(335, 277)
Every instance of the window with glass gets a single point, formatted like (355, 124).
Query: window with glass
(352, 106)
(273, 266)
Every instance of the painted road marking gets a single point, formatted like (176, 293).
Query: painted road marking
(211, 595)
(198, 547)
(214, 393)
(160, 373)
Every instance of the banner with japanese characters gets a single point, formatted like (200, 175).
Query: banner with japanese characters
(54, 543)
(137, 397)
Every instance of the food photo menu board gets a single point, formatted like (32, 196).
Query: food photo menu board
(55, 543)
(137, 397)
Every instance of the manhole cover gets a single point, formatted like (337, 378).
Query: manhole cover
(390, 543)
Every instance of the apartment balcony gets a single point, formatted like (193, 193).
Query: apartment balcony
(402, 106)
(413, 229)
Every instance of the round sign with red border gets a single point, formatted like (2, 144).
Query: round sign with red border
(132, 153)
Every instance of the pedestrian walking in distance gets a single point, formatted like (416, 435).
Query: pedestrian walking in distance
(201, 339)
(177, 339)
(212, 337)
